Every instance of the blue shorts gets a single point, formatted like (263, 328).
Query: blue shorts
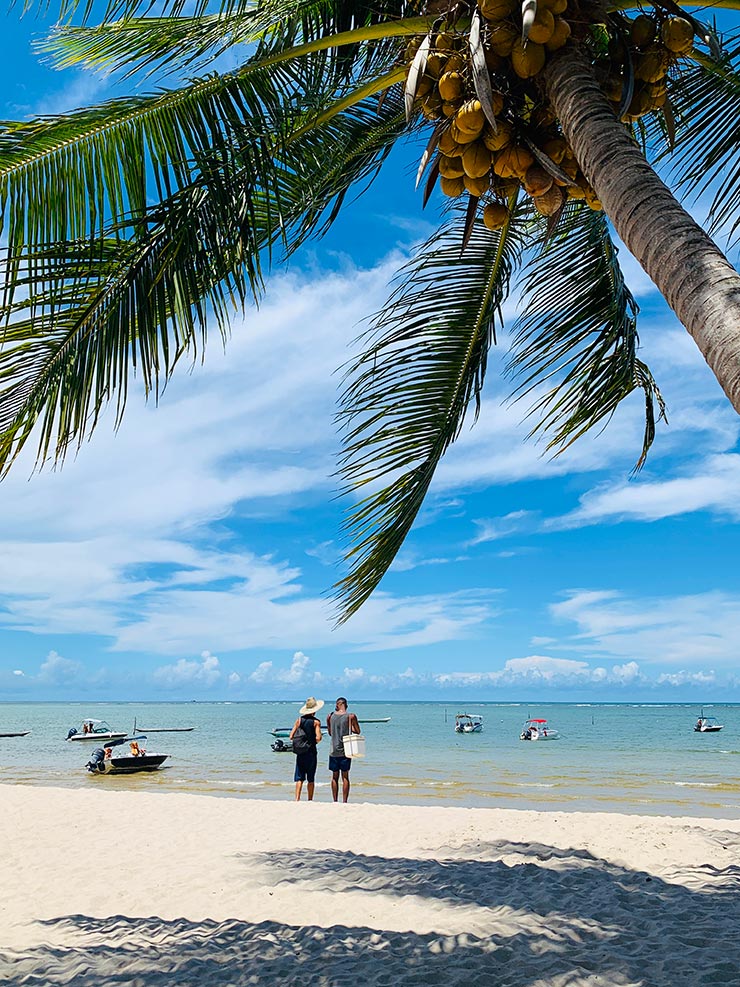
(340, 763)
(305, 766)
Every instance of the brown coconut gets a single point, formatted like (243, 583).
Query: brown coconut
(449, 146)
(462, 136)
(477, 186)
(643, 31)
(496, 10)
(470, 117)
(549, 203)
(537, 181)
(653, 64)
(495, 215)
(527, 61)
(678, 35)
(560, 34)
(555, 149)
(542, 26)
(451, 86)
(452, 186)
(476, 160)
(503, 38)
(503, 136)
(450, 167)
(512, 161)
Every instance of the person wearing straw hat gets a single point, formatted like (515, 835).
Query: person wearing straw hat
(306, 734)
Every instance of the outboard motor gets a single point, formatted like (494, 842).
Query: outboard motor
(96, 760)
(72, 732)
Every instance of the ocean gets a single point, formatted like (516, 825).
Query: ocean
(636, 758)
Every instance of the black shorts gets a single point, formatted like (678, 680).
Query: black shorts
(340, 763)
(305, 766)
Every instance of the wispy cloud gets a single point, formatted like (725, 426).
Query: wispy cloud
(698, 631)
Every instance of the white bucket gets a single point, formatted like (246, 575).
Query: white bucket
(354, 745)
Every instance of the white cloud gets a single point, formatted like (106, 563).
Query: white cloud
(696, 630)
(688, 678)
(17, 671)
(714, 485)
(535, 670)
(490, 529)
(354, 674)
(206, 672)
(56, 670)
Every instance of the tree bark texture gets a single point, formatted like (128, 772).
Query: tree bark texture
(694, 276)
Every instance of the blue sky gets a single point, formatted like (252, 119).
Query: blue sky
(191, 554)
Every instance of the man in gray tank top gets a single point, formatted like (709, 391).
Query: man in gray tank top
(338, 725)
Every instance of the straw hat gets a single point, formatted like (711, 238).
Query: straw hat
(310, 706)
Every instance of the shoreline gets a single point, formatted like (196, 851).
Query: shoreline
(431, 797)
(165, 885)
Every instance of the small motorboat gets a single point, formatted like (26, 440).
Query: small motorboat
(281, 732)
(538, 730)
(95, 730)
(707, 724)
(106, 761)
(20, 733)
(465, 723)
(282, 746)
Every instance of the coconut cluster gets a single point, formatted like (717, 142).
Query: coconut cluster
(491, 163)
(526, 149)
(645, 50)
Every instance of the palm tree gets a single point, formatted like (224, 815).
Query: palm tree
(133, 225)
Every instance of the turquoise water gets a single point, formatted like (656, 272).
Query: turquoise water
(628, 758)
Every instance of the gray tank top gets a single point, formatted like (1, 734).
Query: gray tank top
(339, 728)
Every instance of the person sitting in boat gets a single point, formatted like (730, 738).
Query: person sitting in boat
(136, 751)
(108, 753)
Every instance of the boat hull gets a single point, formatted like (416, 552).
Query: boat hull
(707, 729)
(98, 738)
(131, 765)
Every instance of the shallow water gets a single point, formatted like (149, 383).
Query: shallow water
(628, 758)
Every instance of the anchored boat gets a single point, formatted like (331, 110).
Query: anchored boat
(465, 723)
(106, 761)
(95, 730)
(707, 724)
(538, 730)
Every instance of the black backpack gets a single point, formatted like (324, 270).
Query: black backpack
(304, 739)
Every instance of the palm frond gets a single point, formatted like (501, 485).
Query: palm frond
(578, 335)
(167, 43)
(142, 295)
(705, 96)
(407, 395)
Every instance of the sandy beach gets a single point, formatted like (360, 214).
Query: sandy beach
(102, 887)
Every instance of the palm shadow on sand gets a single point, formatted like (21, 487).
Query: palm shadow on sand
(544, 917)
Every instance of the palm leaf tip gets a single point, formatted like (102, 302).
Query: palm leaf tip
(407, 395)
(575, 346)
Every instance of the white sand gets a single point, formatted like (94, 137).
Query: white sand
(100, 887)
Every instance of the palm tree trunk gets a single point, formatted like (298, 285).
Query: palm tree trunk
(698, 282)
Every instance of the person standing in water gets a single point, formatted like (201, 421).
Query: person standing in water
(339, 724)
(306, 734)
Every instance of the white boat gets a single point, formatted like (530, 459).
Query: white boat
(106, 761)
(465, 723)
(538, 730)
(97, 730)
(707, 724)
